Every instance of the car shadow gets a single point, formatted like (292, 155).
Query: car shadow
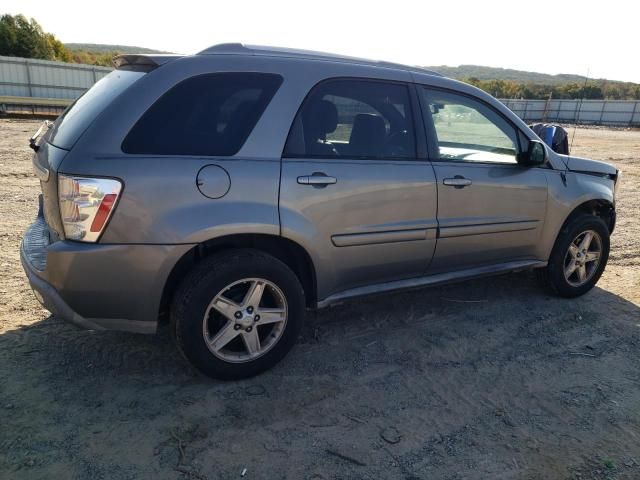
(52, 343)
(379, 358)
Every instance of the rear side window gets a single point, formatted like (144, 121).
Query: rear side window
(210, 114)
(81, 113)
(349, 118)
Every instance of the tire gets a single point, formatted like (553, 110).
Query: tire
(204, 292)
(554, 277)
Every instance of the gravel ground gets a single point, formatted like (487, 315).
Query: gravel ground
(485, 379)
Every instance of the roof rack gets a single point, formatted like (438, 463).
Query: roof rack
(259, 50)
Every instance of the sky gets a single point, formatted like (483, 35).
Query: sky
(600, 39)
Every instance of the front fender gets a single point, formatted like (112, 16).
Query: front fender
(568, 191)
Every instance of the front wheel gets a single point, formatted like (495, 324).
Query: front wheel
(578, 258)
(238, 313)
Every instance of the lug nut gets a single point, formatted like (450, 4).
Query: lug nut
(257, 318)
(249, 329)
(238, 314)
(237, 327)
(249, 309)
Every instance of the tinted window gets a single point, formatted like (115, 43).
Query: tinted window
(468, 130)
(354, 119)
(209, 114)
(79, 115)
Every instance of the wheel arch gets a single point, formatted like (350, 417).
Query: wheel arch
(554, 276)
(598, 207)
(287, 251)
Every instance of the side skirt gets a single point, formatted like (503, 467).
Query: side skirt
(427, 280)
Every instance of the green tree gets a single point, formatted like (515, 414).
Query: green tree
(20, 37)
(60, 52)
(8, 35)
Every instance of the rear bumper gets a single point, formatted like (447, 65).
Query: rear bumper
(52, 301)
(98, 287)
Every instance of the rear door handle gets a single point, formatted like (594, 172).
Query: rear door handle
(457, 181)
(317, 180)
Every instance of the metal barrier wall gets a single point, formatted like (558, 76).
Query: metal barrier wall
(43, 87)
(619, 113)
(26, 77)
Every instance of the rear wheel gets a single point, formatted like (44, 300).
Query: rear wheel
(578, 258)
(238, 313)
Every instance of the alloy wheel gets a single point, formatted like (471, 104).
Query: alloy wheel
(245, 320)
(582, 258)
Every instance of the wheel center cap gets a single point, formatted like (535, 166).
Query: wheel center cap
(246, 320)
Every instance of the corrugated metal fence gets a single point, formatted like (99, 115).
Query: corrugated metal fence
(40, 86)
(620, 113)
(24, 77)
(44, 87)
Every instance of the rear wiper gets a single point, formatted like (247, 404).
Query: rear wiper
(33, 141)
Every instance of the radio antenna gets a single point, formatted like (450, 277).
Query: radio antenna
(575, 126)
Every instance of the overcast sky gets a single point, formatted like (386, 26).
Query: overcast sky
(601, 38)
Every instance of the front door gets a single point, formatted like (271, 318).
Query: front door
(353, 192)
(491, 209)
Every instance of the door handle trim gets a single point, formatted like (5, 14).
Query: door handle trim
(458, 182)
(317, 180)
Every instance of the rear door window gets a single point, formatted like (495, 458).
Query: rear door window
(351, 118)
(211, 114)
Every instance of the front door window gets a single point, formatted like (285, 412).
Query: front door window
(470, 131)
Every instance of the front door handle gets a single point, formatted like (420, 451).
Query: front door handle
(458, 181)
(318, 179)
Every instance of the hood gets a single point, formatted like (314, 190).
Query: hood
(585, 165)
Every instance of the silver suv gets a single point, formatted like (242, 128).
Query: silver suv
(229, 191)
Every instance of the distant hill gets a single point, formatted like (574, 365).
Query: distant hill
(510, 83)
(105, 48)
(499, 82)
(461, 72)
(100, 53)
(492, 73)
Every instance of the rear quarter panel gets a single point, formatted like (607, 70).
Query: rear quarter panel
(161, 203)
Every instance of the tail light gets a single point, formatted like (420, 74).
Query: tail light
(86, 205)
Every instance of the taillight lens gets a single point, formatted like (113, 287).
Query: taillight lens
(86, 205)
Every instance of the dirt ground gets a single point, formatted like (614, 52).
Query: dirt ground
(489, 379)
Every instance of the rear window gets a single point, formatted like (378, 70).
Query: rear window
(210, 114)
(79, 115)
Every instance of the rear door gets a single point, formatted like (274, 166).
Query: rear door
(491, 209)
(353, 190)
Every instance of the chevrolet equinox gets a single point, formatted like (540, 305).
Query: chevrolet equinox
(231, 190)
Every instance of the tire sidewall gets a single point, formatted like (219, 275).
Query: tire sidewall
(556, 261)
(212, 277)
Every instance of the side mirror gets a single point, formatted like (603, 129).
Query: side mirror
(535, 155)
(436, 107)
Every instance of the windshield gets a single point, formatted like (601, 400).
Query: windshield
(79, 115)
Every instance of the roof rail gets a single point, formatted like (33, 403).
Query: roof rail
(259, 50)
